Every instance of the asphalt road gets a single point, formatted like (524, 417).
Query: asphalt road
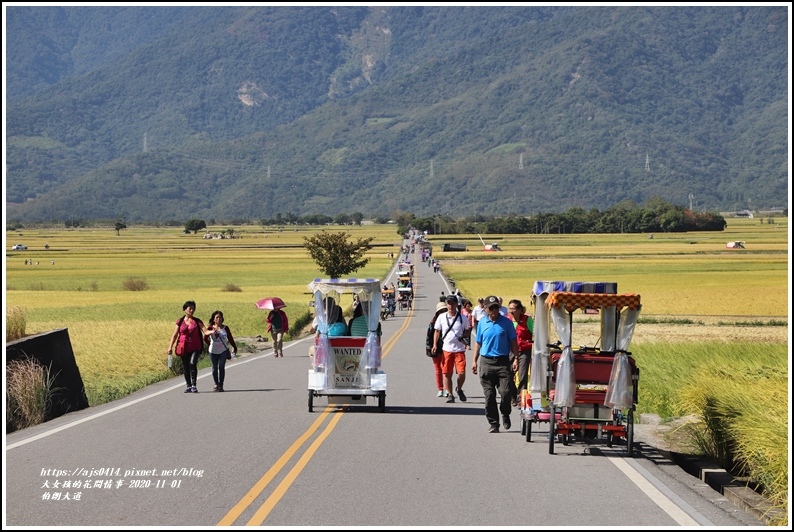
(255, 455)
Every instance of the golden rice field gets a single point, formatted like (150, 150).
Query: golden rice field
(77, 281)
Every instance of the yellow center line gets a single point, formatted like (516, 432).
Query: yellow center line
(264, 510)
(254, 492)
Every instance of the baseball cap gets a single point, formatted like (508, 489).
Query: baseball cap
(492, 300)
(452, 299)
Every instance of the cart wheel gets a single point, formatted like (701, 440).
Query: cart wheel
(630, 434)
(311, 400)
(523, 426)
(382, 400)
(529, 430)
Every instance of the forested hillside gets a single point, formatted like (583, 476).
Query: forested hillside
(165, 113)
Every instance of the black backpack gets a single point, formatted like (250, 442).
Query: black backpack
(431, 331)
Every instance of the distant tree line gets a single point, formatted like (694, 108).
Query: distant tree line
(316, 219)
(655, 216)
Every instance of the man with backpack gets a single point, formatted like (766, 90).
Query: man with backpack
(441, 308)
(451, 334)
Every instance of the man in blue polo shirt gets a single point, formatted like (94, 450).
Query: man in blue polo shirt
(494, 343)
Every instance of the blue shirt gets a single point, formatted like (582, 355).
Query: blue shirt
(495, 337)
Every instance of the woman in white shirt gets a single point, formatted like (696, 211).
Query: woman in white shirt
(222, 347)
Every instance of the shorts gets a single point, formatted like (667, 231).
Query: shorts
(456, 361)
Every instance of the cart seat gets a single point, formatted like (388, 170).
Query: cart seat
(586, 397)
(348, 341)
(590, 397)
(345, 341)
(590, 368)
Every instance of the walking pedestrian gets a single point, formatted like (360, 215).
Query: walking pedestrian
(524, 325)
(277, 325)
(478, 313)
(222, 347)
(503, 309)
(451, 328)
(188, 339)
(466, 312)
(494, 343)
(437, 358)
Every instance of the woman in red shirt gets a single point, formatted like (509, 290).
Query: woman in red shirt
(525, 326)
(188, 338)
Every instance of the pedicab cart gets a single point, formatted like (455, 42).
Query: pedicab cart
(405, 298)
(347, 366)
(405, 291)
(585, 393)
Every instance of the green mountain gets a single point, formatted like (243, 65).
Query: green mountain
(169, 113)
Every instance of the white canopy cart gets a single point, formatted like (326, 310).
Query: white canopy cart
(347, 366)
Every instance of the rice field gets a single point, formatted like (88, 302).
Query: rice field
(77, 278)
(676, 274)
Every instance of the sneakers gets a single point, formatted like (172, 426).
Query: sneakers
(446, 393)
(220, 388)
(493, 429)
(440, 393)
(461, 395)
(506, 422)
(451, 399)
(215, 388)
(194, 389)
(188, 389)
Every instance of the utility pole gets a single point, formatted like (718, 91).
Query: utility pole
(647, 162)
(268, 172)
(691, 197)
(431, 168)
(145, 144)
(521, 161)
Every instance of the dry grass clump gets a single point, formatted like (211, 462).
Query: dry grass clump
(16, 321)
(231, 287)
(29, 390)
(135, 284)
